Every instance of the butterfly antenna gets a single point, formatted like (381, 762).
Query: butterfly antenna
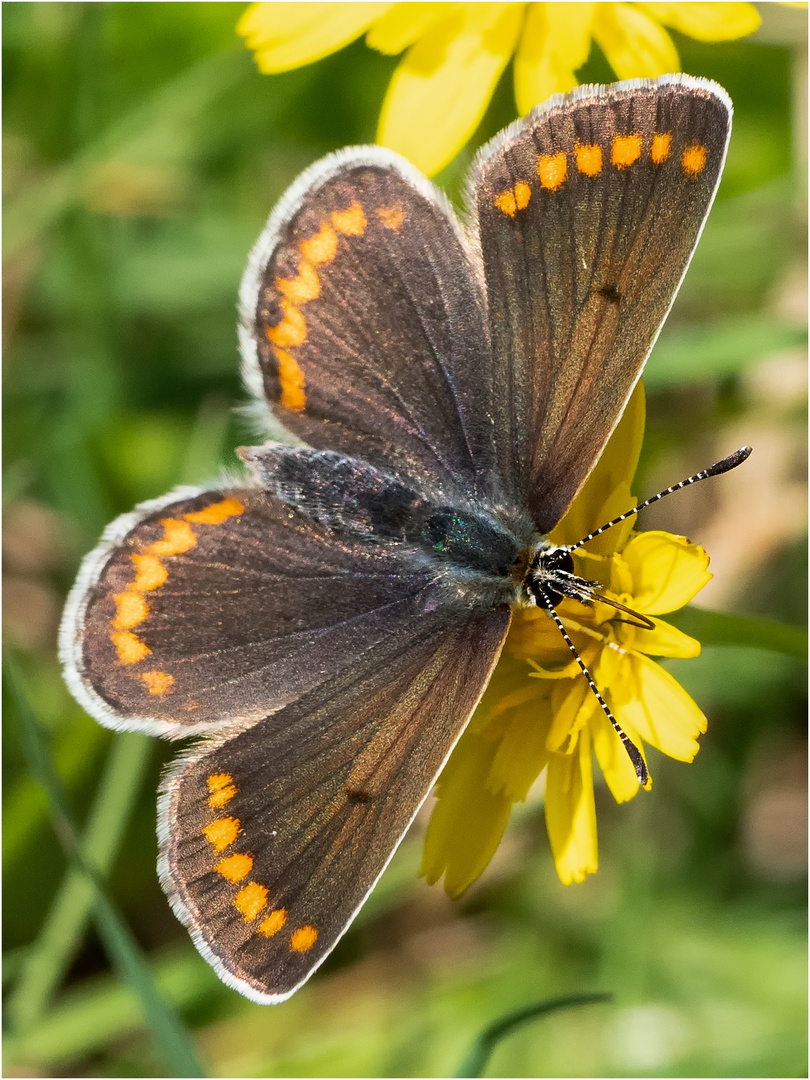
(728, 463)
(639, 620)
(633, 751)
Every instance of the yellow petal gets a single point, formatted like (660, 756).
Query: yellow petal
(606, 492)
(635, 45)
(543, 651)
(521, 699)
(402, 26)
(662, 712)
(468, 820)
(611, 663)
(521, 753)
(572, 706)
(508, 691)
(665, 640)
(441, 89)
(556, 40)
(620, 582)
(532, 631)
(667, 571)
(707, 22)
(618, 502)
(570, 812)
(285, 36)
(557, 662)
(614, 761)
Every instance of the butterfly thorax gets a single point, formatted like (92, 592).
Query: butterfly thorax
(491, 556)
(488, 551)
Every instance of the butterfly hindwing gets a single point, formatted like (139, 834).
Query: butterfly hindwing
(272, 838)
(588, 213)
(222, 606)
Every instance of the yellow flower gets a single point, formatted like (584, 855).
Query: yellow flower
(456, 53)
(538, 711)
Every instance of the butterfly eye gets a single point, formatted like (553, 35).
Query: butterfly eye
(549, 575)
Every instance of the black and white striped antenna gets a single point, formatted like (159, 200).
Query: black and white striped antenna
(726, 465)
(588, 590)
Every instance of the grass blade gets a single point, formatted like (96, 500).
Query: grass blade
(170, 1035)
(49, 957)
(476, 1060)
(100, 1011)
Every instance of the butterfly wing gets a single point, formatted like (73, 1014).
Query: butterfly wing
(272, 838)
(588, 212)
(363, 323)
(221, 606)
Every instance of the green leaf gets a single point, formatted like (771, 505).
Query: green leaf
(718, 350)
(725, 628)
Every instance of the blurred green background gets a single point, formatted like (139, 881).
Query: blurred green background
(142, 154)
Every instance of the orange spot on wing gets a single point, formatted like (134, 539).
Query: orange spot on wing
(130, 649)
(320, 248)
(506, 202)
(151, 573)
(513, 199)
(522, 194)
(552, 170)
(222, 832)
(693, 160)
(352, 222)
(291, 379)
(222, 789)
(292, 330)
(235, 867)
(659, 152)
(216, 513)
(273, 923)
(132, 609)
(157, 682)
(391, 216)
(589, 159)
(178, 536)
(250, 900)
(305, 286)
(303, 938)
(626, 150)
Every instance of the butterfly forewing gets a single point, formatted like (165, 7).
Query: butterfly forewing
(363, 322)
(272, 838)
(588, 213)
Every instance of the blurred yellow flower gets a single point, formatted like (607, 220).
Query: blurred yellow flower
(456, 53)
(538, 711)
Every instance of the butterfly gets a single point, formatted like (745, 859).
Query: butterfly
(329, 624)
